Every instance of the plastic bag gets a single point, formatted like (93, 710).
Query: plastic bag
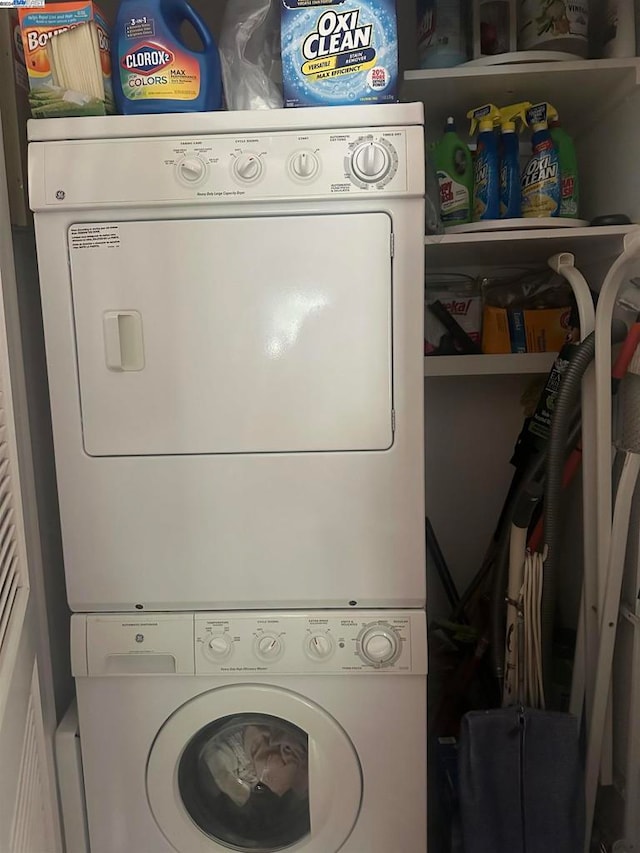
(250, 55)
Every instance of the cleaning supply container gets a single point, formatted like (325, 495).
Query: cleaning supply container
(486, 172)
(619, 29)
(559, 25)
(338, 52)
(455, 176)
(541, 183)
(510, 199)
(442, 37)
(570, 183)
(154, 70)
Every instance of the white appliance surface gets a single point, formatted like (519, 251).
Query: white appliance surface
(71, 782)
(234, 334)
(239, 351)
(242, 121)
(185, 719)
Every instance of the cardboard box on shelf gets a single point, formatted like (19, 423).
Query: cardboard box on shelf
(464, 306)
(339, 52)
(68, 61)
(517, 330)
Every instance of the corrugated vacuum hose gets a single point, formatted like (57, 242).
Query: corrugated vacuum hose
(560, 425)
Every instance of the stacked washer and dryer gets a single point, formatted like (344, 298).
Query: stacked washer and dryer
(233, 312)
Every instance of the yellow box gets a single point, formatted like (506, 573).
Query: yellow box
(495, 331)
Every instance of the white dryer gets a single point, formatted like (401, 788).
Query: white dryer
(293, 732)
(233, 312)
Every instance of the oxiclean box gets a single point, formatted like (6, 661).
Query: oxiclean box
(337, 52)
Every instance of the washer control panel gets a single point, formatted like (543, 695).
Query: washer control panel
(331, 642)
(227, 168)
(288, 642)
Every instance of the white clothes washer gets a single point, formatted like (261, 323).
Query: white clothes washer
(297, 732)
(233, 313)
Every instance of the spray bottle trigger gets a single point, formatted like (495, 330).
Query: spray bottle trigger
(512, 113)
(488, 113)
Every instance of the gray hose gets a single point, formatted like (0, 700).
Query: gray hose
(556, 454)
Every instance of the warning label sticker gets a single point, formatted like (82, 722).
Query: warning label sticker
(94, 236)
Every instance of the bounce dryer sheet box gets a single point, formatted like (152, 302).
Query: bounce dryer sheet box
(339, 52)
(67, 55)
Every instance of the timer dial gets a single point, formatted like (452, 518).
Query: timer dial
(379, 644)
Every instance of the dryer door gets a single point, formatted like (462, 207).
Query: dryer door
(254, 768)
(252, 335)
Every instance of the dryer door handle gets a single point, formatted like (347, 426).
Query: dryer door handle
(123, 343)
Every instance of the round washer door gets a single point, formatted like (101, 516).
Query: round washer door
(255, 769)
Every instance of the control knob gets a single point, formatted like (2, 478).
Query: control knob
(379, 645)
(319, 647)
(219, 647)
(247, 168)
(268, 647)
(371, 162)
(304, 165)
(192, 170)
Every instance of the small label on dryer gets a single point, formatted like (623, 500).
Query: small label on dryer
(95, 236)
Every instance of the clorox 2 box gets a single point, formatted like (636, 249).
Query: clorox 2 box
(339, 52)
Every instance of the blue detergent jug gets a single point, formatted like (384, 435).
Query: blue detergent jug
(153, 70)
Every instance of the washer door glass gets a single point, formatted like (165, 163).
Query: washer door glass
(244, 780)
(257, 769)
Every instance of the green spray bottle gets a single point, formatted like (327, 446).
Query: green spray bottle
(454, 168)
(570, 185)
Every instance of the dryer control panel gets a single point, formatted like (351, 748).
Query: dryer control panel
(227, 168)
(315, 642)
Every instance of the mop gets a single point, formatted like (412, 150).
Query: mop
(520, 768)
(523, 643)
(521, 781)
(531, 602)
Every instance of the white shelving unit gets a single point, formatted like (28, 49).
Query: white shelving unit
(502, 248)
(488, 365)
(579, 90)
(470, 423)
(494, 250)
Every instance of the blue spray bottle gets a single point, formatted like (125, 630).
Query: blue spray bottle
(510, 194)
(486, 171)
(153, 69)
(541, 179)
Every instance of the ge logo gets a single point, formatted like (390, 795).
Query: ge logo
(139, 638)
(60, 194)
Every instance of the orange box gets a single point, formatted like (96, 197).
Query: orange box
(546, 329)
(49, 96)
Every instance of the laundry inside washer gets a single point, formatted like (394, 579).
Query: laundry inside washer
(244, 781)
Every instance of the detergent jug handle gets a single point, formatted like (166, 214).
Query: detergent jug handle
(189, 14)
